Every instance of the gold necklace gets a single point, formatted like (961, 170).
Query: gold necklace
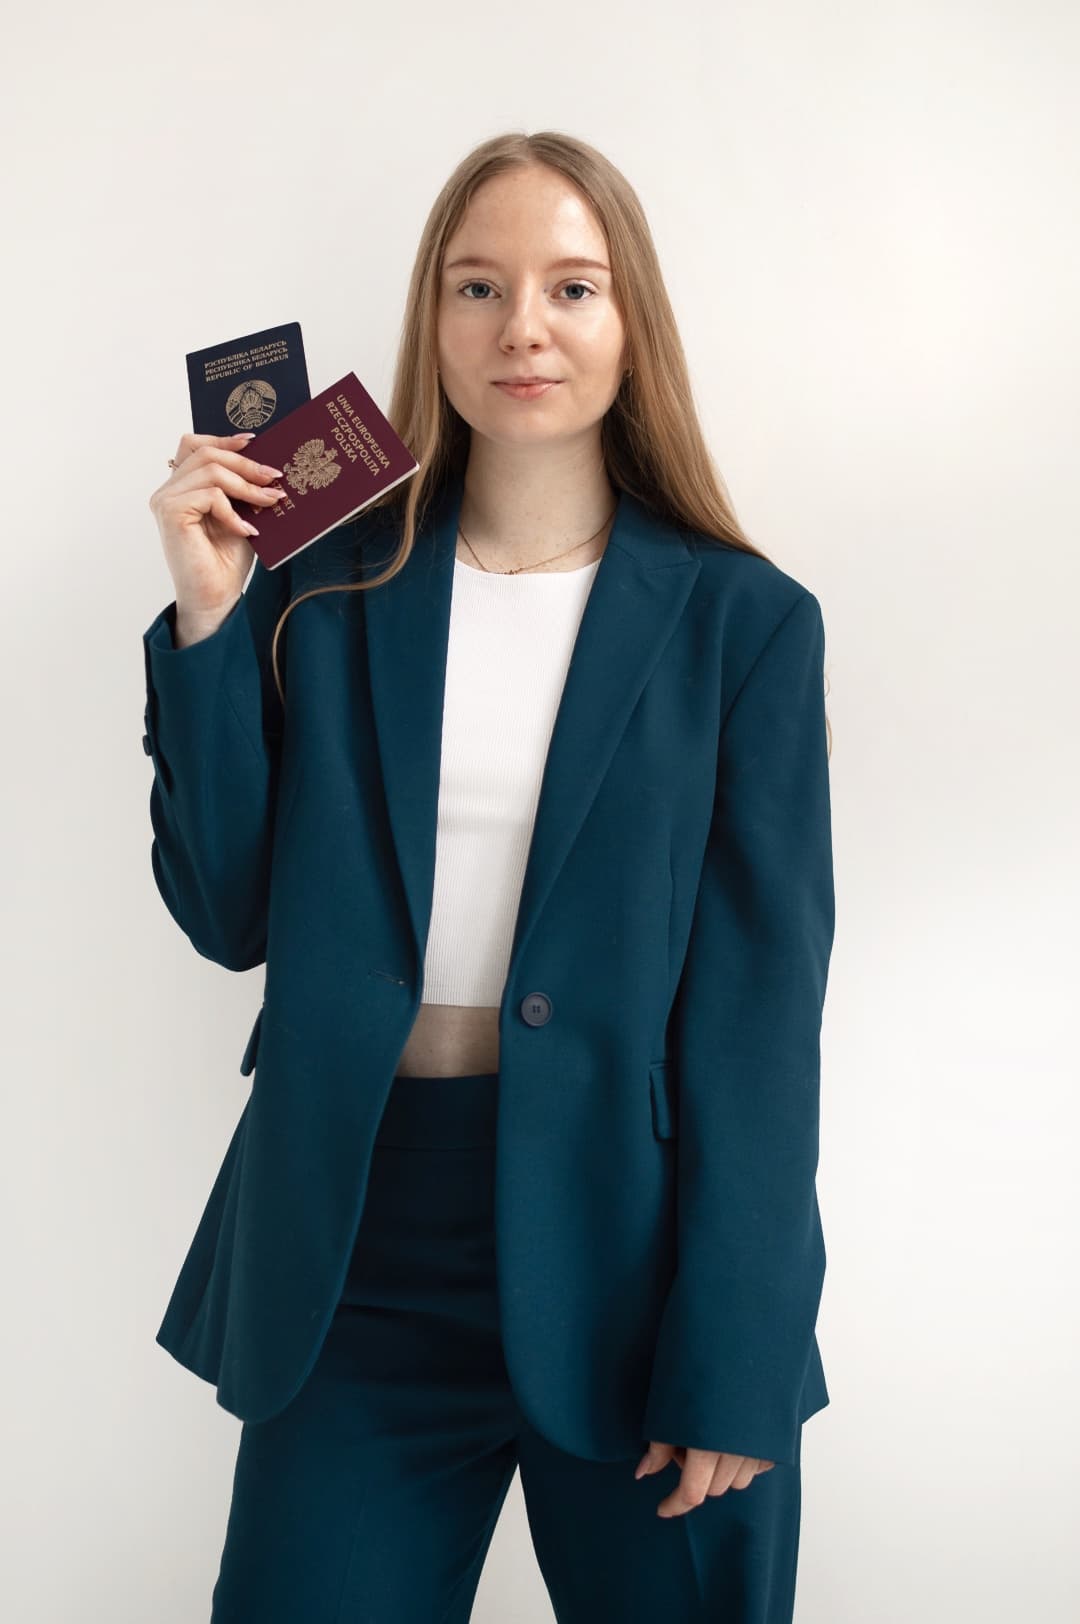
(522, 567)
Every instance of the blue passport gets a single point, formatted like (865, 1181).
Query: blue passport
(248, 382)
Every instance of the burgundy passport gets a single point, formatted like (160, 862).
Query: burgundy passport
(337, 453)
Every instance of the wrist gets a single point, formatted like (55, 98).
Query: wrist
(193, 625)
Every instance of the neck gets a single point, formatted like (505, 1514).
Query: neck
(517, 509)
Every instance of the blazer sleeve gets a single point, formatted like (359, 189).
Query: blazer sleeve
(213, 725)
(737, 1330)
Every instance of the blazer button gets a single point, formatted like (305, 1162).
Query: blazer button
(146, 744)
(536, 1008)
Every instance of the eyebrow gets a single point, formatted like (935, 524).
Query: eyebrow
(556, 265)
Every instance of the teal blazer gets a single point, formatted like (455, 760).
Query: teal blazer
(659, 1247)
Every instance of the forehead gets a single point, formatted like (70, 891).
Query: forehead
(528, 217)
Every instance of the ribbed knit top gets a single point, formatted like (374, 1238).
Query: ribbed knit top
(511, 638)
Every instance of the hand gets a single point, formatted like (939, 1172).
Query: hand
(204, 538)
(705, 1473)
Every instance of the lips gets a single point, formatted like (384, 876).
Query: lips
(528, 391)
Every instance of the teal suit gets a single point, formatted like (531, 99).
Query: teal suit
(660, 1253)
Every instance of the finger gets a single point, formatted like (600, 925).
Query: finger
(208, 456)
(217, 469)
(210, 500)
(693, 1484)
(189, 443)
(227, 516)
(654, 1459)
(222, 456)
(746, 1474)
(727, 1470)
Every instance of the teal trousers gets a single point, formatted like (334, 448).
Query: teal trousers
(373, 1496)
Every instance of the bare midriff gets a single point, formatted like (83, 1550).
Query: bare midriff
(451, 1040)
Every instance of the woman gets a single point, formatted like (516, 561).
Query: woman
(518, 787)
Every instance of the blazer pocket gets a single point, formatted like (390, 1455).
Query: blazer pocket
(247, 1064)
(665, 1113)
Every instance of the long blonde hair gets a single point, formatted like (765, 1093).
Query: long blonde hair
(652, 442)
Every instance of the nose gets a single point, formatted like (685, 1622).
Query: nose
(524, 322)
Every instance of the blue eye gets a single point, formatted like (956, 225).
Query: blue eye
(590, 291)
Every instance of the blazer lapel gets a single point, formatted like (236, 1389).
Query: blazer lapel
(638, 593)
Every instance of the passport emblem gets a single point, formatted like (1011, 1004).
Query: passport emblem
(312, 467)
(251, 404)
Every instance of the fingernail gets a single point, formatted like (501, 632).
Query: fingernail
(250, 528)
(248, 436)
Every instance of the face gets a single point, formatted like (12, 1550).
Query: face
(507, 308)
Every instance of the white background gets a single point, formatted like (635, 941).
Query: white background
(867, 217)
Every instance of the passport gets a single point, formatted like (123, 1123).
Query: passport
(248, 382)
(337, 453)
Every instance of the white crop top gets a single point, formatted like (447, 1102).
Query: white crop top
(511, 638)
